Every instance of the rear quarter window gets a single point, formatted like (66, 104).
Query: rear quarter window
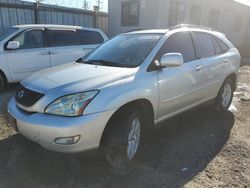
(220, 46)
(87, 37)
(223, 45)
(205, 43)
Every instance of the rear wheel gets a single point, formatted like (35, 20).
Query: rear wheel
(123, 140)
(225, 96)
(2, 82)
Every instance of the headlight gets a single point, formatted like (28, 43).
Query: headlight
(71, 105)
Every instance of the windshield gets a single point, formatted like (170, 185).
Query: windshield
(127, 50)
(7, 32)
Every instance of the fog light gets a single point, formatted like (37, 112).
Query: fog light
(67, 140)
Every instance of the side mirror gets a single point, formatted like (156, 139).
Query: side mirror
(171, 60)
(12, 45)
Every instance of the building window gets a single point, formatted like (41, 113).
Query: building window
(176, 13)
(130, 13)
(195, 15)
(214, 17)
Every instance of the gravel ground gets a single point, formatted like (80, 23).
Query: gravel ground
(200, 148)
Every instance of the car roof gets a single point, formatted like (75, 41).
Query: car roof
(181, 27)
(148, 31)
(28, 26)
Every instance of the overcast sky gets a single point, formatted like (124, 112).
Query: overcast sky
(76, 3)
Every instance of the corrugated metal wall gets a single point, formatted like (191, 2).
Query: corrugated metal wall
(14, 12)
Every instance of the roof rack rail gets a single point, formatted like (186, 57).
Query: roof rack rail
(132, 30)
(192, 26)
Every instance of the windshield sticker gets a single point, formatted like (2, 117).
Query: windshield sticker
(149, 37)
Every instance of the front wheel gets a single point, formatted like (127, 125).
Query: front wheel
(225, 96)
(123, 140)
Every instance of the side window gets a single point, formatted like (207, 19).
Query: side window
(58, 38)
(206, 45)
(30, 39)
(179, 43)
(223, 46)
(89, 37)
(218, 49)
(220, 46)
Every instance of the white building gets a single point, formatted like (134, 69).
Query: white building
(227, 16)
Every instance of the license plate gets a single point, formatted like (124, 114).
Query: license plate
(12, 122)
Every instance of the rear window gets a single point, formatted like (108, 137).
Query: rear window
(89, 37)
(62, 38)
(205, 43)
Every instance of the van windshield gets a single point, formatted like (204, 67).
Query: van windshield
(7, 32)
(126, 50)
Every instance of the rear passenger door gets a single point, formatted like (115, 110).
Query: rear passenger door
(63, 46)
(68, 45)
(213, 62)
(179, 87)
(89, 39)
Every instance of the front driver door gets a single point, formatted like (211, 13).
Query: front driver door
(30, 57)
(179, 86)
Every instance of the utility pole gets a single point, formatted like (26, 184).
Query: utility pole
(86, 4)
(36, 9)
(99, 4)
(97, 9)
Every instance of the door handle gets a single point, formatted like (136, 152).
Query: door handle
(53, 52)
(44, 53)
(199, 67)
(225, 60)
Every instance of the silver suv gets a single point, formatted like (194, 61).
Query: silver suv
(109, 98)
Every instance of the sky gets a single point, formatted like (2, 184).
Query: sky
(245, 2)
(77, 3)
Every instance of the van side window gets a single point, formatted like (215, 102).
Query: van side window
(223, 46)
(89, 37)
(179, 43)
(220, 46)
(30, 39)
(59, 37)
(217, 47)
(206, 45)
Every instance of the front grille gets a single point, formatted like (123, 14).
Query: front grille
(27, 97)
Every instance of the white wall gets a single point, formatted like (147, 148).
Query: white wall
(234, 18)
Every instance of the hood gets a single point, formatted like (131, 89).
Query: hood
(77, 77)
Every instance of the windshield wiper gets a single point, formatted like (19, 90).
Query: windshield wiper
(104, 63)
(81, 60)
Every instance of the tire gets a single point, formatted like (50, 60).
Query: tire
(2, 82)
(123, 140)
(225, 96)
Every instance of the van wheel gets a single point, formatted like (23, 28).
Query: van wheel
(225, 96)
(2, 82)
(123, 140)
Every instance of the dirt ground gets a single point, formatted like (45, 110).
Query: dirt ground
(200, 148)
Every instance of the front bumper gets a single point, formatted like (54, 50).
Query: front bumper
(44, 129)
